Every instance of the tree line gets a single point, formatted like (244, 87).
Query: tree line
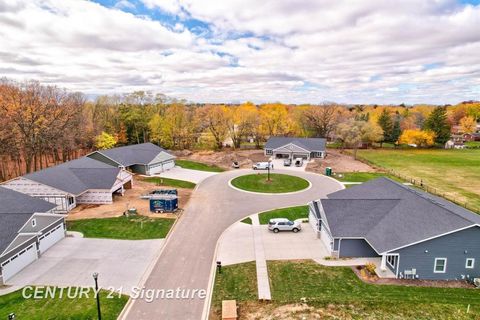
(41, 125)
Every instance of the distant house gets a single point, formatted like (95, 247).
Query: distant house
(416, 235)
(144, 158)
(290, 147)
(27, 229)
(454, 144)
(74, 182)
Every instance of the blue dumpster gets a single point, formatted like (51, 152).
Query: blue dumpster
(164, 204)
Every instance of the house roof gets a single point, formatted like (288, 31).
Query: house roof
(77, 176)
(143, 153)
(15, 210)
(310, 144)
(390, 215)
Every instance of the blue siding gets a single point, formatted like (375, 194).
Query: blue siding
(356, 248)
(452, 246)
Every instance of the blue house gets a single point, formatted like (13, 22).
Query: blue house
(416, 235)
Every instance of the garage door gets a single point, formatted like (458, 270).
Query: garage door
(19, 261)
(50, 238)
(168, 165)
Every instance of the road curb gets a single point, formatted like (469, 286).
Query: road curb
(267, 193)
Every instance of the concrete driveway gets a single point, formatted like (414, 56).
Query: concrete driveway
(187, 260)
(278, 164)
(195, 176)
(72, 261)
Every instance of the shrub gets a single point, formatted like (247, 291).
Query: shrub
(370, 268)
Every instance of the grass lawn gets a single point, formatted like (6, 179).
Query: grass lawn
(60, 308)
(127, 228)
(472, 144)
(362, 176)
(336, 290)
(278, 183)
(247, 220)
(170, 182)
(455, 173)
(292, 213)
(187, 164)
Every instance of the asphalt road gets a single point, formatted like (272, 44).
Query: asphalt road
(187, 258)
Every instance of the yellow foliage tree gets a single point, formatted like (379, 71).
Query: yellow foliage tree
(420, 138)
(105, 141)
(468, 124)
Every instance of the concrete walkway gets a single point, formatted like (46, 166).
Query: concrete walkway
(387, 273)
(179, 173)
(261, 263)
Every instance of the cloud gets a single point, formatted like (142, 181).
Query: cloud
(296, 52)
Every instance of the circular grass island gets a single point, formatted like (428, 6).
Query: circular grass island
(279, 183)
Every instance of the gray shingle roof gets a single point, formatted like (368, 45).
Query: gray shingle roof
(391, 215)
(127, 156)
(77, 176)
(311, 144)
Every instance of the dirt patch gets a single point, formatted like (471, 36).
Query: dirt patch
(224, 159)
(365, 276)
(131, 199)
(339, 162)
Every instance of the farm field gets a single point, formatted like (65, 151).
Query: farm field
(336, 293)
(454, 173)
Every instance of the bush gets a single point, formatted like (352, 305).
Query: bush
(370, 267)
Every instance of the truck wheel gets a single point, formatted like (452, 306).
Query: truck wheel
(295, 230)
(275, 230)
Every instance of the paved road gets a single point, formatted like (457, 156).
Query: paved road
(187, 258)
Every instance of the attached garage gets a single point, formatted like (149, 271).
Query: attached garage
(18, 261)
(51, 237)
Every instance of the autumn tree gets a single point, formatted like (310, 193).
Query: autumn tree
(321, 119)
(105, 141)
(417, 137)
(350, 134)
(468, 124)
(213, 119)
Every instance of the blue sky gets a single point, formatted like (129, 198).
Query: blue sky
(236, 50)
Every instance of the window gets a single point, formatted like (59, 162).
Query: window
(440, 265)
(34, 222)
(268, 151)
(469, 263)
(70, 201)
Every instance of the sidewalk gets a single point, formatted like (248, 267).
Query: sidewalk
(261, 263)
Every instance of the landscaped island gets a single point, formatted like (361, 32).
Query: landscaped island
(278, 183)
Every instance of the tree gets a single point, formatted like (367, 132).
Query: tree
(437, 123)
(385, 122)
(417, 137)
(213, 119)
(105, 141)
(350, 134)
(396, 130)
(321, 119)
(371, 132)
(468, 124)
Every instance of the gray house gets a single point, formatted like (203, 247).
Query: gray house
(144, 158)
(27, 229)
(416, 235)
(290, 147)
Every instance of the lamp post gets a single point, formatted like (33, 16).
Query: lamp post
(95, 277)
(268, 170)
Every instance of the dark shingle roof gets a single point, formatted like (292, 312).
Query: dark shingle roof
(311, 144)
(391, 215)
(127, 156)
(77, 176)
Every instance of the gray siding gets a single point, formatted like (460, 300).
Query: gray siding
(356, 248)
(18, 249)
(452, 247)
(102, 158)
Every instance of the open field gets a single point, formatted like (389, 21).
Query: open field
(454, 173)
(188, 164)
(166, 182)
(61, 308)
(362, 176)
(292, 213)
(126, 228)
(336, 292)
(279, 183)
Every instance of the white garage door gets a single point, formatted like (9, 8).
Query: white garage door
(325, 237)
(50, 238)
(168, 165)
(19, 261)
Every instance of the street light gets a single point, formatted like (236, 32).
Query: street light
(268, 170)
(97, 293)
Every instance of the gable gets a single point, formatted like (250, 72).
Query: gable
(291, 147)
(162, 157)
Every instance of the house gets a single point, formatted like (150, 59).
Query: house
(27, 230)
(83, 180)
(415, 234)
(144, 158)
(290, 147)
(451, 144)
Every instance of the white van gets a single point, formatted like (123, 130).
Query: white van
(262, 166)
(298, 162)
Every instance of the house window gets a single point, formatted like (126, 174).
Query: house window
(469, 263)
(268, 151)
(319, 154)
(440, 265)
(70, 201)
(34, 222)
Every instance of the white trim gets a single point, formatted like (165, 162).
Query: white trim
(293, 144)
(431, 238)
(5, 252)
(444, 266)
(467, 261)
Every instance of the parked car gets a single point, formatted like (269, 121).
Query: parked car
(298, 162)
(235, 165)
(287, 162)
(262, 166)
(283, 224)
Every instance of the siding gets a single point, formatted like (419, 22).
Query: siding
(356, 248)
(452, 247)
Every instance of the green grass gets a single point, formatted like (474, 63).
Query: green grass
(128, 228)
(292, 213)
(362, 176)
(60, 308)
(472, 144)
(279, 183)
(247, 220)
(170, 182)
(335, 290)
(187, 164)
(455, 173)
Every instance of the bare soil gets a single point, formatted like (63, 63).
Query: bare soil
(224, 158)
(131, 199)
(339, 162)
(366, 277)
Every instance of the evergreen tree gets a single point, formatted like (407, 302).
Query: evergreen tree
(437, 123)
(396, 130)
(385, 122)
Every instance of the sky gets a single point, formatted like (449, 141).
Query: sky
(231, 51)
